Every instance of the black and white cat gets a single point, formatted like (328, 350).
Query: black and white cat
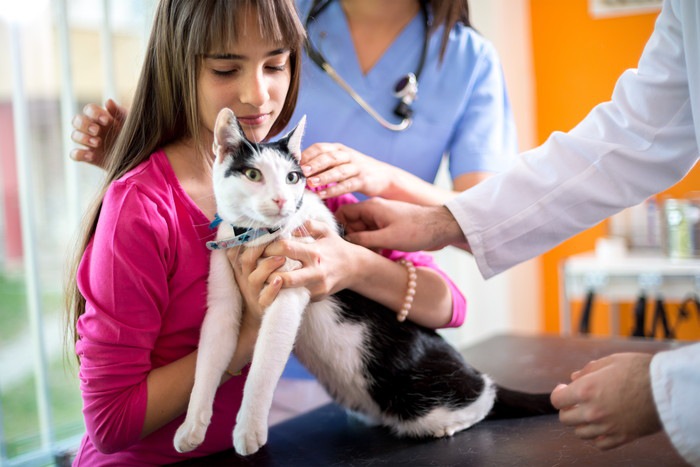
(399, 375)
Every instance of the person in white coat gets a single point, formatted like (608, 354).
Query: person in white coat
(646, 138)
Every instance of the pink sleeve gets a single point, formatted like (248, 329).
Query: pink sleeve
(123, 276)
(419, 259)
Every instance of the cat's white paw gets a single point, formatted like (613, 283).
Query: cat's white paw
(249, 435)
(189, 436)
(449, 430)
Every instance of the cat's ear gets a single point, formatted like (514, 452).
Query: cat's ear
(294, 138)
(228, 134)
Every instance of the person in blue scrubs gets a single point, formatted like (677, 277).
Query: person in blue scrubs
(460, 112)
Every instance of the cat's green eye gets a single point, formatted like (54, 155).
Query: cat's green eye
(254, 175)
(293, 177)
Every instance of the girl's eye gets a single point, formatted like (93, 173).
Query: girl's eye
(277, 67)
(254, 175)
(224, 72)
(293, 177)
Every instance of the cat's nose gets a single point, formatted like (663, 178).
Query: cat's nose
(279, 202)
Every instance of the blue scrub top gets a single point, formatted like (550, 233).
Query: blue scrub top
(461, 112)
(462, 109)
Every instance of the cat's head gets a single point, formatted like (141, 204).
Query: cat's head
(256, 184)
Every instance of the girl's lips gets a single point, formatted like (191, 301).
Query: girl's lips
(253, 120)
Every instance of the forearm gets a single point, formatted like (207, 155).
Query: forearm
(388, 284)
(169, 389)
(404, 186)
(169, 386)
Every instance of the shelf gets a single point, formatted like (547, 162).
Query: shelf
(622, 280)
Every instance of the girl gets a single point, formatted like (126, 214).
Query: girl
(138, 294)
(137, 301)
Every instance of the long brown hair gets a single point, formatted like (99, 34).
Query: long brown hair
(164, 107)
(448, 13)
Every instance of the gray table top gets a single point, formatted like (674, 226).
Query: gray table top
(328, 436)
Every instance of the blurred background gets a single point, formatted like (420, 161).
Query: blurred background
(560, 59)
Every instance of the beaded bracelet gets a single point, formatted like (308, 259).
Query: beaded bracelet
(410, 289)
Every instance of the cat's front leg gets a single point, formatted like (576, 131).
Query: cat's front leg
(278, 331)
(217, 344)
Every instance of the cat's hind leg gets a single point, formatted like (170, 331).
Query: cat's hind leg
(276, 337)
(217, 344)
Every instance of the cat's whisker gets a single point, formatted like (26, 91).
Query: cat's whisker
(304, 231)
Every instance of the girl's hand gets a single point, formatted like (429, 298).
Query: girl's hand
(252, 273)
(345, 169)
(327, 264)
(96, 129)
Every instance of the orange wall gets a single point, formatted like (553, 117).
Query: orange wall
(577, 59)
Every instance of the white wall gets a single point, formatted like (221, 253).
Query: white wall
(509, 302)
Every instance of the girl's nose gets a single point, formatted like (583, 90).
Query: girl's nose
(254, 91)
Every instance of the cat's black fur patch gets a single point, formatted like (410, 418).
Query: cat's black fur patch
(412, 369)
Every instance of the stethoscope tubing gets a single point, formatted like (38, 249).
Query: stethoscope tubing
(405, 101)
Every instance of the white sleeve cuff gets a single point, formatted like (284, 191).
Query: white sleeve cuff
(675, 381)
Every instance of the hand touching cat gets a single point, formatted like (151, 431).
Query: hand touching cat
(346, 170)
(381, 223)
(610, 400)
(96, 129)
(328, 263)
(252, 273)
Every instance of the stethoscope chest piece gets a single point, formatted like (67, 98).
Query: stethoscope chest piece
(406, 88)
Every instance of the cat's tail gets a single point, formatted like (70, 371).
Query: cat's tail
(515, 404)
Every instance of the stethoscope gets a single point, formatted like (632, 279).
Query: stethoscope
(406, 89)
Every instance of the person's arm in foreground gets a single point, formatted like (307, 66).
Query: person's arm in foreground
(622, 397)
(610, 400)
(380, 223)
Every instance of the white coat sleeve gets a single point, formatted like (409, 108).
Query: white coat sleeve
(636, 145)
(675, 379)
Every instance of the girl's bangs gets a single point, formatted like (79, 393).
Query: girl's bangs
(276, 20)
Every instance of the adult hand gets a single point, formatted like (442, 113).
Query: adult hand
(380, 223)
(345, 170)
(96, 128)
(252, 274)
(327, 263)
(610, 400)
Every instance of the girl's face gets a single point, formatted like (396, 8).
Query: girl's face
(251, 77)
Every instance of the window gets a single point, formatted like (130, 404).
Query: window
(56, 55)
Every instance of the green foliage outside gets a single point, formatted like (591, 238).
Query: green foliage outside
(19, 405)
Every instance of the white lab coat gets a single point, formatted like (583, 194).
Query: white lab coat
(641, 142)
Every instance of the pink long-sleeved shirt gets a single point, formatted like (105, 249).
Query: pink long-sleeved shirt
(144, 279)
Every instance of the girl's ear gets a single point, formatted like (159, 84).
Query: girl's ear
(294, 139)
(228, 134)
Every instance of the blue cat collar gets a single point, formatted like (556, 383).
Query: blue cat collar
(246, 236)
(215, 223)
